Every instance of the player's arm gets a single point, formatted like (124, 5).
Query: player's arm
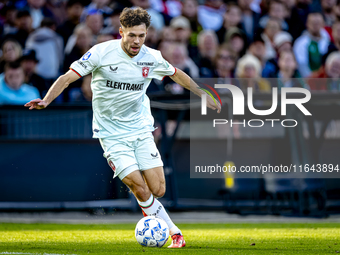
(55, 90)
(185, 81)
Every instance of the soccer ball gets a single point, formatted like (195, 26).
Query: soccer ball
(152, 231)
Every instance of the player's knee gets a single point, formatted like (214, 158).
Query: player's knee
(142, 193)
(159, 192)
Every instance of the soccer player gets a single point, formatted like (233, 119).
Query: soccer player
(121, 72)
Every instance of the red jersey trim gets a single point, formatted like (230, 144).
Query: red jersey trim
(170, 75)
(75, 72)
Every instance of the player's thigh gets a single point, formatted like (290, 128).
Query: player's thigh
(155, 180)
(150, 163)
(147, 154)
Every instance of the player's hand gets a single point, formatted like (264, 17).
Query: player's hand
(36, 104)
(212, 105)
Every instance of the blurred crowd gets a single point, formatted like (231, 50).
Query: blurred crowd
(293, 41)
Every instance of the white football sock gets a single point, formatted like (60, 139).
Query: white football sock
(153, 207)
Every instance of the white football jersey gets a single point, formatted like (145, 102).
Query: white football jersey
(120, 106)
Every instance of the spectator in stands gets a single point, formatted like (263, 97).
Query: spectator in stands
(232, 18)
(258, 49)
(328, 13)
(237, 41)
(336, 10)
(9, 12)
(282, 42)
(113, 24)
(250, 19)
(288, 75)
(48, 46)
(29, 62)
(99, 5)
(182, 31)
(38, 11)
(330, 74)
(164, 47)
(24, 28)
(104, 38)
(296, 22)
(83, 35)
(13, 90)
(277, 10)
(272, 28)
(224, 63)
(11, 51)
(94, 20)
(152, 39)
(249, 70)
(297, 17)
(157, 20)
(167, 35)
(181, 28)
(207, 45)
(210, 15)
(189, 11)
(58, 10)
(169, 8)
(178, 56)
(335, 45)
(74, 9)
(311, 45)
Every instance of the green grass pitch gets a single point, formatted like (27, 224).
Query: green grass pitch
(250, 238)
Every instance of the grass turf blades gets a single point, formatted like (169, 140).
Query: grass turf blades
(251, 238)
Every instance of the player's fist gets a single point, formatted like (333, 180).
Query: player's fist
(36, 104)
(214, 105)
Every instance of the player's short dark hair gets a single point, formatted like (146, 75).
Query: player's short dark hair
(131, 17)
(12, 65)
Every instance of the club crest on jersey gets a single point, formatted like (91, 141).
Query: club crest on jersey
(145, 71)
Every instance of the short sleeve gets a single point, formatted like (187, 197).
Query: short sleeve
(163, 68)
(87, 63)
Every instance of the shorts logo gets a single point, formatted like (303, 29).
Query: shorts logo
(145, 71)
(154, 155)
(112, 166)
(86, 56)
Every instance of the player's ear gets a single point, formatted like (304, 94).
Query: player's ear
(121, 31)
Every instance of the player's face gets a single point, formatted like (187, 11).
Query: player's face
(132, 39)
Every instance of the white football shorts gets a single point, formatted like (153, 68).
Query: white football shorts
(132, 153)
